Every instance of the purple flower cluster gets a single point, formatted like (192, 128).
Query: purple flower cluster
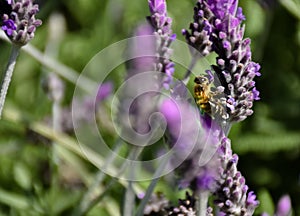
(20, 24)
(218, 27)
(232, 196)
(194, 140)
(202, 155)
(201, 29)
(161, 23)
(140, 88)
(159, 205)
(138, 100)
(284, 206)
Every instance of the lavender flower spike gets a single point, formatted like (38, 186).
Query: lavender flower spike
(284, 206)
(234, 68)
(232, 195)
(20, 24)
(200, 29)
(163, 32)
(218, 28)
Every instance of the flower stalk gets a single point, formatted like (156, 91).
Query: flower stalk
(8, 75)
(19, 25)
(202, 203)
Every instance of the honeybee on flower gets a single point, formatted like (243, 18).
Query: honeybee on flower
(209, 98)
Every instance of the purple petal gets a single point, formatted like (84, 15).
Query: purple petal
(227, 45)
(255, 94)
(239, 14)
(170, 110)
(173, 37)
(157, 6)
(284, 206)
(251, 199)
(104, 91)
(205, 181)
(9, 26)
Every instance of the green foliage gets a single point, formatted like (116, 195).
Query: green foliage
(266, 199)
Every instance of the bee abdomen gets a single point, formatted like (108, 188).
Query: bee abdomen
(203, 103)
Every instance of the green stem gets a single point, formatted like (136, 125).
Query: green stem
(129, 194)
(57, 128)
(129, 198)
(133, 155)
(57, 67)
(202, 203)
(8, 74)
(95, 201)
(150, 189)
(86, 203)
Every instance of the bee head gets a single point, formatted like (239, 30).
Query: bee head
(201, 80)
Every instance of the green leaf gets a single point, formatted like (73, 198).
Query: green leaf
(255, 18)
(293, 6)
(22, 176)
(61, 200)
(266, 202)
(267, 142)
(14, 200)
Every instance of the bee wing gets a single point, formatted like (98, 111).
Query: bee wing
(218, 107)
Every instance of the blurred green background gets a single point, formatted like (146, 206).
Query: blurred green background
(268, 142)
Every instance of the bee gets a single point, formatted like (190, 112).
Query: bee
(209, 99)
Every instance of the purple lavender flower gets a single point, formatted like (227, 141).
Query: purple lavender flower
(163, 32)
(201, 29)
(9, 26)
(137, 102)
(157, 6)
(142, 60)
(284, 206)
(234, 68)
(54, 87)
(220, 23)
(194, 140)
(159, 205)
(186, 206)
(232, 195)
(20, 24)
(104, 91)
(140, 88)
(156, 205)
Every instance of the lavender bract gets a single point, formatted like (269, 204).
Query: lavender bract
(20, 24)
